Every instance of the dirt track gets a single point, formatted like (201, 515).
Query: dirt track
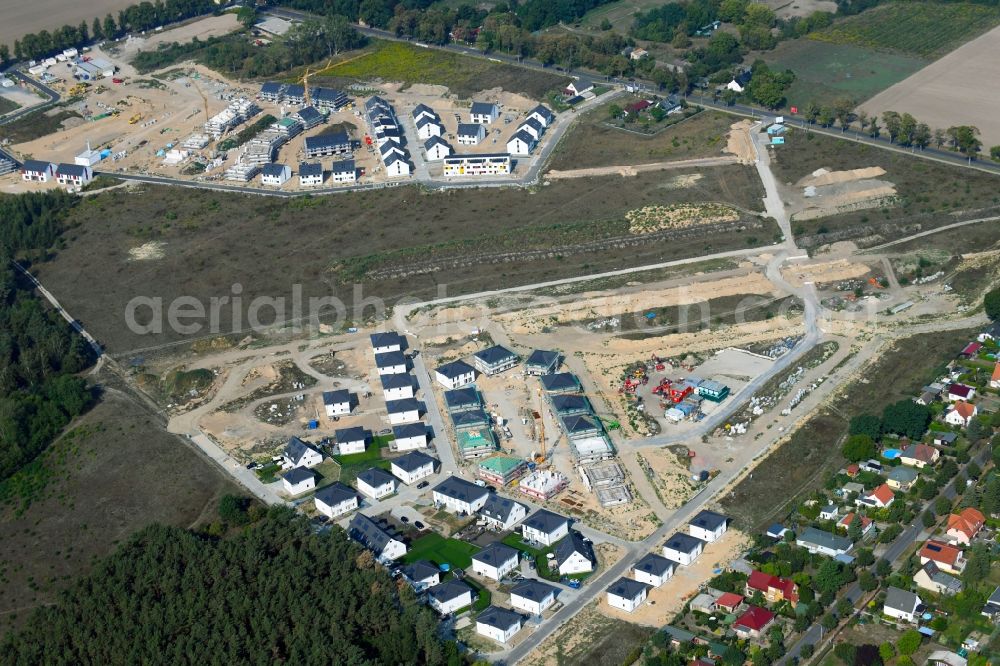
(633, 170)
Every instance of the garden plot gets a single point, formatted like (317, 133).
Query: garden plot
(826, 192)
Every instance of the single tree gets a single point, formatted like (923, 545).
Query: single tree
(858, 447)
(909, 642)
(991, 304)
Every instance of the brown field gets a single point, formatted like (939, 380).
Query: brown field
(391, 243)
(21, 17)
(114, 472)
(958, 89)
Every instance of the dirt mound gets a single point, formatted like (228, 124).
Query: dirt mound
(826, 192)
(822, 177)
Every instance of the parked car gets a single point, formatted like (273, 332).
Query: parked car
(423, 484)
(404, 519)
(419, 525)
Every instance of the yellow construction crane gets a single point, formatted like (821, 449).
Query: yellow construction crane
(541, 428)
(305, 80)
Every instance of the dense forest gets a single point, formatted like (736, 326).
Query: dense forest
(274, 593)
(39, 352)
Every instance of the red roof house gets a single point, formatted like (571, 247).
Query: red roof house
(729, 601)
(753, 622)
(773, 588)
(637, 107)
(879, 498)
(971, 349)
(948, 558)
(965, 525)
(853, 469)
(866, 522)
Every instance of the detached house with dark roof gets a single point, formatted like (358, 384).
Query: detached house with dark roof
(338, 403)
(460, 496)
(351, 440)
(542, 362)
(574, 555)
(300, 454)
(449, 596)
(494, 360)
(708, 526)
(902, 605)
(533, 596)
(436, 149)
(499, 624)
(455, 374)
(402, 411)
(310, 174)
(391, 363)
(627, 594)
(545, 527)
(484, 113)
(74, 174)
(421, 575)
(397, 387)
(38, 171)
(501, 513)
(387, 342)
(335, 500)
(543, 115)
(470, 134)
(344, 172)
(385, 546)
(298, 480)
(409, 436)
(376, 483)
(919, 456)
(412, 467)
(932, 579)
(653, 570)
(561, 382)
(683, 548)
(495, 561)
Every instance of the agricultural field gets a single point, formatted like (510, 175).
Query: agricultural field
(591, 142)
(114, 471)
(801, 463)
(356, 245)
(930, 194)
(825, 72)
(920, 29)
(22, 17)
(463, 75)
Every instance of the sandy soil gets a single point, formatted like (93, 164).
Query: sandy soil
(21, 17)
(827, 271)
(635, 169)
(672, 477)
(825, 192)
(740, 144)
(958, 89)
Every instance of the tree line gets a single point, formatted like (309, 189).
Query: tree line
(273, 592)
(39, 352)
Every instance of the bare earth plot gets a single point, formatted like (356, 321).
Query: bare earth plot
(20, 17)
(958, 89)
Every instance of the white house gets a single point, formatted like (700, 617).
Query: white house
(275, 174)
(470, 134)
(958, 392)
(495, 561)
(449, 596)
(384, 343)
(402, 411)
(902, 605)
(391, 363)
(422, 575)
(412, 467)
(823, 543)
(428, 127)
(300, 454)
(397, 387)
(310, 174)
(543, 115)
(335, 500)
(498, 623)
(396, 166)
(337, 403)
(532, 127)
(74, 174)
(627, 594)
(683, 548)
(579, 87)
(829, 512)
(351, 440)
(484, 113)
(879, 498)
(532, 596)
(366, 531)
(501, 513)
(961, 413)
(409, 436)
(436, 148)
(573, 555)
(708, 526)
(739, 82)
(298, 480)
(494, 360)
(545, 527)
(521, 143)
(344, 171)
(35, 170)
(376, 483)
(423, 111)
(455, 374)
(460, 496)
(653, 570)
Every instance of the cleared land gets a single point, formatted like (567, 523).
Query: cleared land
(21, 17)
(445, 243)
(930, 194)
(921, 29)
(802, 462)
(464, 76)
(115, 471)
(825, 72)
(593, 143)
(958, 89)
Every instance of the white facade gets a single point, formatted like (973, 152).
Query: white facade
(41, 174)
(411, 443)
(398, 393)
(405, 416)
(471, 136)
(427, 130)
(301, 486)
(395, 369)
(476, 165)
(456, 505)
(708, 526)
(576, 563)
(341, 408)
(311, 180)
(347, 176)
(682, 555)
(339, 509)
(278, 178)
(451, 605)
(499, 635)
(412, 476)
(438, 151)
(484, 113)
(354, 446)
(652, 579)
(495, 572)
(624, 603)
(397, 168)
(78, 176)
(539, 536)
(393, 551)
(532, 606)
(377, 492)
(518, 146)
(457, 381)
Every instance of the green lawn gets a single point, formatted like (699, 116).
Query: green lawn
(440, 550)
(514, 541)
(370, 454)
(349, 473)
(922, 29)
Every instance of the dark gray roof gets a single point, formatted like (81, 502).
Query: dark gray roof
(499, 618)
(952, 584)
(534, 590)
(343, 166)
(495, 554)
(524, 136)
(946, 437)
(626, 588)
(327, 140)
(655, 565)
(376, 476)
(684, 543)
(423, 108)
(366, 531)
(395, 157)
(433, 141)
(296, 448)
(308, 114)
(377, 102)
(543, 111)
(420, 570)
(409, 430)
(449, 590)
(582, 84)
(573, 543)
(390, 147)
(495, 355)
(36, 165)
(329, 95)
(816, 537)
(310, 169)
(355, 434)
(298, 475)
(469, 418)
(542, 358)
(570, 403)
(498, 507)
(387, 339)
(469, 129)
(462, 397)
(273, 169)
(709, 520)
(454, 369)
(561, 381)
(404, 405)
(460, 489)
(389, 359)
(426, 120)
(336, 397)
(533, 124)
(72, 170)
(335, 493)
(580, 424)
(899, 599)
(396, 381)
(903, 474)
(271, 87)
(294, 90)
(413, 461)
(546, 521)
(484, 108)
